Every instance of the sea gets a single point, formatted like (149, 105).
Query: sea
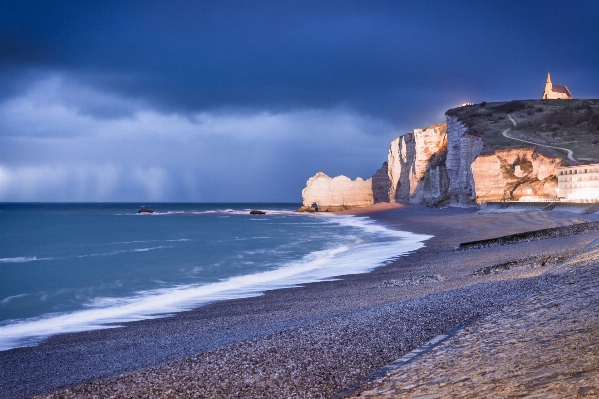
(70, 267)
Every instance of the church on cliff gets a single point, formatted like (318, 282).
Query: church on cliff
(555, 92)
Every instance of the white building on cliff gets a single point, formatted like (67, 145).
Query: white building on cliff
(554, 92)
(579, 183)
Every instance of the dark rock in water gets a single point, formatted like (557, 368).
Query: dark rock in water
(145, 210)
(257, 213)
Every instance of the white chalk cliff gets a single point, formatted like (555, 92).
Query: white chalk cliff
(380, 184)
(336, 194)
(410, 157)
(440, 165)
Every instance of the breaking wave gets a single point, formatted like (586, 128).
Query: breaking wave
(359, 256)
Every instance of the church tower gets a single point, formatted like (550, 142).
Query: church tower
(554, 92)
(548, 87)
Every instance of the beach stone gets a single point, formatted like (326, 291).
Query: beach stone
(544, 346)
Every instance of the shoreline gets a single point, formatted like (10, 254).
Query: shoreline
(369, 210)
(321, 264)
(288, 317)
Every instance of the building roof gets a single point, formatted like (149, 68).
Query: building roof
(561, 89)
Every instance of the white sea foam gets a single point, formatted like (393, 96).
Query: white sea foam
(147, 249)
(215, 211)
(146, 241)
(155, 213)
(359, 257)
(25, 259)
(111, 253)
(10, 298)
(22, 259)
(269, 212)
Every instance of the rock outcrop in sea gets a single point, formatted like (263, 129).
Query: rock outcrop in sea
(336, 194)
(449, 163)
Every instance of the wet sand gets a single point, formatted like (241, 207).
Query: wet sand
(311, 341)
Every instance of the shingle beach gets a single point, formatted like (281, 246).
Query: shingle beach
(511, 302)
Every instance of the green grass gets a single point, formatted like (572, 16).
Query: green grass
(572, 124)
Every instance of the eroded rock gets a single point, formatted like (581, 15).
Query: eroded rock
(336, 194)
(514, 173)
(411, 157)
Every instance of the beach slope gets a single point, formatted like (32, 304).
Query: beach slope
(313, 341)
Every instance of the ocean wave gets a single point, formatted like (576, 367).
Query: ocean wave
(358, 257)
(270, 212)
(10, 298)
(156, 213)
(144, 241)
(250, 238)
(22, 259)
(147, 249)
(246, 211)
(112, 253)
(25, 259)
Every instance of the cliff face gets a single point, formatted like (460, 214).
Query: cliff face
(432, 165)
(401, 156)
(460, 163)
(380, 184)
(409, 161)
(514, 173)
(462, 149)
(336, 194)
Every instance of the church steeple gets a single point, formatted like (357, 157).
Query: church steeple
(548, 87)
(553, 92)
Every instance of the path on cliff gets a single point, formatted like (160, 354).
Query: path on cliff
(570, 154)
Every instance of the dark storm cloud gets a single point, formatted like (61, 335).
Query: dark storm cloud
(372, 56)
(244, 100)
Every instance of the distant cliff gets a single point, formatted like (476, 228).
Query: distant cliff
(468, 160)
(327, 194)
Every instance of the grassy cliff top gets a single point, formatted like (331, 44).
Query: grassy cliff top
(570, 124)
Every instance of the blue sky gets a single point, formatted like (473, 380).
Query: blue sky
(234, 101)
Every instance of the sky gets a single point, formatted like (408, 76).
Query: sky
(243, 101)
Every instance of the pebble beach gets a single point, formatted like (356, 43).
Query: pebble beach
(318, 340)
